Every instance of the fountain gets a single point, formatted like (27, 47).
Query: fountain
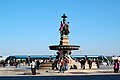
(64, 48)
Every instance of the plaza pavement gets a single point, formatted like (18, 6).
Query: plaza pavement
(26, 71)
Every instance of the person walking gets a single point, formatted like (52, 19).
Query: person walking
(33, 67)
(116, 66)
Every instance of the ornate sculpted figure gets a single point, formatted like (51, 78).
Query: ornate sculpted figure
(64, 27)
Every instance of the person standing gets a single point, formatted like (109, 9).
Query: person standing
(3, 63)
(66, 63)
(116, 66)
(62, 65)
(83, 63)
(53, 65)
(97, 63)
(90, 63)
(28, 60)
(16, 63)
(37, 64)
(33, 67)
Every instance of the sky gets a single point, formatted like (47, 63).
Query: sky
(29, 27)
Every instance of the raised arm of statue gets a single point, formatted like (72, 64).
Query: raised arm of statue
(61, 26)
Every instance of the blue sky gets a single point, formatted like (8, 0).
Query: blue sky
(31, 26)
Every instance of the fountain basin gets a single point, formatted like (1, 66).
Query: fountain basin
(64, 47)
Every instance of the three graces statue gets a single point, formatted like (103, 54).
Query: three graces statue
(64, 27)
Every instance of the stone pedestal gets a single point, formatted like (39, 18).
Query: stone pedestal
(64, 40)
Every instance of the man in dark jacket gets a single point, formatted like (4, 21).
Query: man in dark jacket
(90, 63)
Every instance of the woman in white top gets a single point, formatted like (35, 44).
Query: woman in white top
(33, 67)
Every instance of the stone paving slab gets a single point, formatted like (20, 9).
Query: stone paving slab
(25, 71)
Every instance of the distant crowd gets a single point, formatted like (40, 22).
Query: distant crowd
(60, 64)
